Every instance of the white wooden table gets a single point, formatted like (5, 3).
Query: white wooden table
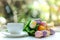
(53, 37)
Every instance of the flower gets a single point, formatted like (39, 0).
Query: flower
(38, 21)
(46, 33)
(38, 34)
(41, 28)
(33, 24)
(43, 23)
(52, 32)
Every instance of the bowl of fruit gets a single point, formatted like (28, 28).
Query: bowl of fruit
(38, 28)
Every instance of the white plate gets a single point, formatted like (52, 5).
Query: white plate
(22, 34)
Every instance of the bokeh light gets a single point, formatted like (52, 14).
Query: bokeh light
(2, 20)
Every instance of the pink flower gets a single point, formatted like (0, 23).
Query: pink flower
(38, 34)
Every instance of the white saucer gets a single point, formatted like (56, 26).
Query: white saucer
(22, 34)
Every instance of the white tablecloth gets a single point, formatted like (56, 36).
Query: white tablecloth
(52, 37)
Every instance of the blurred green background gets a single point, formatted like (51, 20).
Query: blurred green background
(23, 10)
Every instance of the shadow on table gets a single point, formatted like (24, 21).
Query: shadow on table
(15, 37)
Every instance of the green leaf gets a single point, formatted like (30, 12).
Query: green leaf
(27, 25)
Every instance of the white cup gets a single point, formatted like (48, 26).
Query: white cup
(15, 28)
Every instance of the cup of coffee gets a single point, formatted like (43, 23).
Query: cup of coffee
(15, 28)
